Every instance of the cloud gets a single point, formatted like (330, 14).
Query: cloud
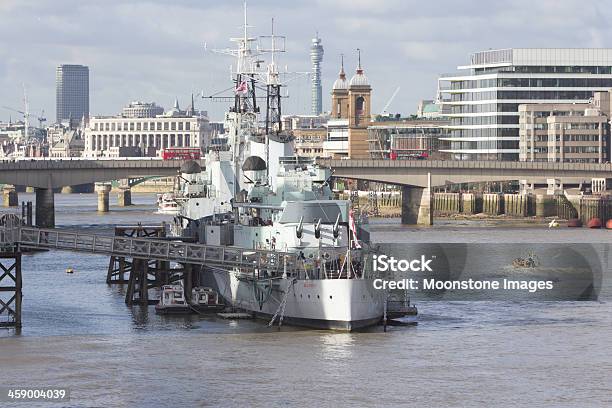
(154, 49)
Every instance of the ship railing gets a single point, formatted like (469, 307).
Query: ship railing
(146, 248)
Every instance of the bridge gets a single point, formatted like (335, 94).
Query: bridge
(56, 173)
(48, 174)
(417, 172)
(418, 176)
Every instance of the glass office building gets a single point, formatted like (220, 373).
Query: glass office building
(71, 92)
(482, 102)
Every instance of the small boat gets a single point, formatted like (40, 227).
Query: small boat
(166, 204)
(172, 300)
(594, 223)
(574, 223)
(408, 320)
(553, 224)
(69, 270)
(530, 261)
(205, 299)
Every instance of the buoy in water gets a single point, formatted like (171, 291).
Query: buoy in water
(594, 223)
(69, 270)
(574, 222)
(609, 224)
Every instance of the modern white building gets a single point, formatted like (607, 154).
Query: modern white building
(336, 143)
(483, 101)
(174, 128)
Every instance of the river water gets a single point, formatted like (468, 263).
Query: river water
(79, 334)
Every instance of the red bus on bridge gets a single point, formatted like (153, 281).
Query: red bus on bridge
(181, 153)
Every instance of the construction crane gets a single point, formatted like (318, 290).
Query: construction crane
(41, 119)
(26, 114)
(384, 109)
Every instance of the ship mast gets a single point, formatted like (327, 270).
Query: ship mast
(273, 94)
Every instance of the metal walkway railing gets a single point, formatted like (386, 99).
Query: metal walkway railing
(247, 260)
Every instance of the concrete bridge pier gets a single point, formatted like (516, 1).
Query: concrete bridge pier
(103, 191)
(10, 197)
(545, 205)
(417, 205)
(45, 208)
(124, 197)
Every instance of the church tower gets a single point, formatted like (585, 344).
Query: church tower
(340, 104)
(359, 94)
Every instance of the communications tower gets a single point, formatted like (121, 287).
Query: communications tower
(316, 57)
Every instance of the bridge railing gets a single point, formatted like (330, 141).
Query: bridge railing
(175, 251)
(8, 236)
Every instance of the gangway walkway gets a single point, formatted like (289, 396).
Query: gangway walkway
(271, 263)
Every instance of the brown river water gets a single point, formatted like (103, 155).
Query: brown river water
(79, 334)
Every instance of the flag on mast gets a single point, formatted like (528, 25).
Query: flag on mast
(354, 242)
(242, 88)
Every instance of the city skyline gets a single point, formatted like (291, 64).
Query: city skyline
(143, 59)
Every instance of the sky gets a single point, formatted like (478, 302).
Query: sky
(153, 50)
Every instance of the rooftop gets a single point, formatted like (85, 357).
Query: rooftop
(541, 56)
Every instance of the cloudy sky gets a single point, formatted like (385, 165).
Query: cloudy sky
(153, 50)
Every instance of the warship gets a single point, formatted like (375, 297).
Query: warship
(253, 192)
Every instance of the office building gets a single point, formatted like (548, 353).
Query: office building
(483, 101)
(406, 138)
(562, 132)
(309, 132)
(71, 92)
(175, 128)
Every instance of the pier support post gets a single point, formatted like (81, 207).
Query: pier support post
(103, 191)
(124, 197)
(417, 206)
(45, 208)
(10, 289)
(143, 270)
(545, 205)
(9, 196)
(187, 280)
(468, 203)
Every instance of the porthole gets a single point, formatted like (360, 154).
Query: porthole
(308, 296)
(330, 296)
(318, 297)
(300, 295)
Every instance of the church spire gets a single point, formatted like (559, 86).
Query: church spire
(359, 69)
